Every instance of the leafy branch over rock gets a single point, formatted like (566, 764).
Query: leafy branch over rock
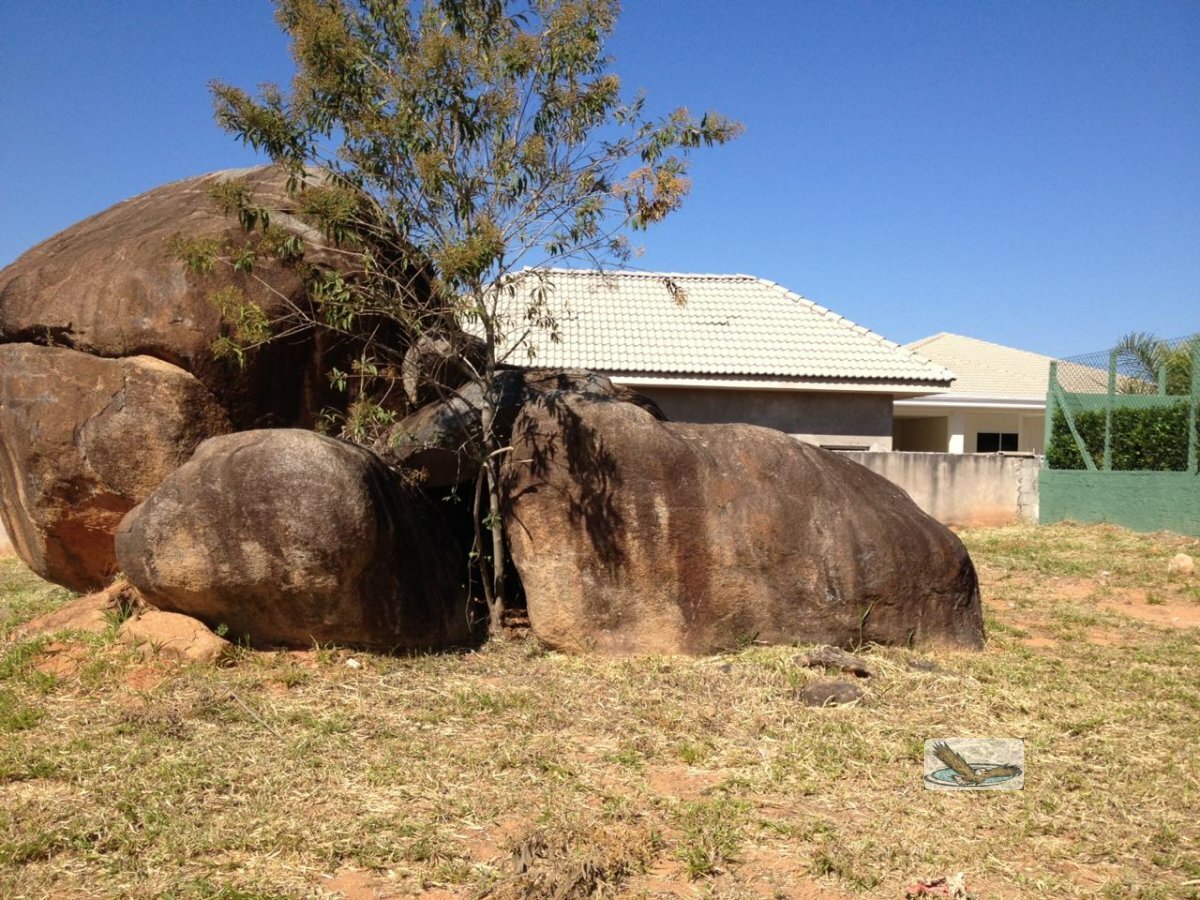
(448, 152)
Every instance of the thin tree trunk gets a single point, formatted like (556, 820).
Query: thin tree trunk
(485, 577)
(499, 589)
(497, 596)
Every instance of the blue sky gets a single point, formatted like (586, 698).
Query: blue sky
(1022, 172)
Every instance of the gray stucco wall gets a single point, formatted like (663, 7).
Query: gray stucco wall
(862, 421)
(963, 488)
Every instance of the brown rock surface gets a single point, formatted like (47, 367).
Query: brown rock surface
(289, 537)
(838, 660)
(172, 635)
(91, 614)
(110, 286)
(443, 439)
(430, 368)
(637, 536)
(829, 693)
(82, 441)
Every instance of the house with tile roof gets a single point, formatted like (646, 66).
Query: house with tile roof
(722, 348)
(996, 404)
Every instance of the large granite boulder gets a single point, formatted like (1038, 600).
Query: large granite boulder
(443, 440)
(638, 536)
(82, 441)
(288, 537)
(111, 286)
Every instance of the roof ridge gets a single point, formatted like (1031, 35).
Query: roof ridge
(921, 342)
(967, 337)
(639, 273)
(861, 329)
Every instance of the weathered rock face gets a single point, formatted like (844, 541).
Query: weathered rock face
(591, 384)
(444, 438)
(430, 367)
(110, 286)
(157, 633)
(635, 536)
(91, 614)
(82, 441)
(288, 537)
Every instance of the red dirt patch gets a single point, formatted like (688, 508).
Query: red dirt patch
(305, 659)
(144, 678)
(1172, 613)
(61, 659)
(682, 782)
(768, 872)
(490, 844)
(666, 879)
(1039, 642)
(360, 884)
(1070, 588)
(1105, 637)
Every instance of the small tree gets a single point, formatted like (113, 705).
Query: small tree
(1151, 356)
(469, 145)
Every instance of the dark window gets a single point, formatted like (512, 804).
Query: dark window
(995, 442)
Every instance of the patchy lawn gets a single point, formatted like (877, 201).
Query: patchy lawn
(517, 773)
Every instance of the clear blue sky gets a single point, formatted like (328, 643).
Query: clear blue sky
(1022, 172)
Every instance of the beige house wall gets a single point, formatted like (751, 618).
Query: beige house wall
(6, 547)
(832, 419)
(1029, 429)
(956, 429)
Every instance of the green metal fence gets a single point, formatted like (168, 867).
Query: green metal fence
(1123, 437)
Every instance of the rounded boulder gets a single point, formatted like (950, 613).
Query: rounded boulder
(111, 285)
(289, 537)
(633, 535)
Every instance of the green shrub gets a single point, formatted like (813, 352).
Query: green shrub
(1149, 438)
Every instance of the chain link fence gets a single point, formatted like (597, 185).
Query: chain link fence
(1131, 408)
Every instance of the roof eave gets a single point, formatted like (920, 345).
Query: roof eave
(990, 401)
(896, 388)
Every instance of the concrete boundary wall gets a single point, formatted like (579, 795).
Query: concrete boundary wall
(968, 489)
(1140, 501)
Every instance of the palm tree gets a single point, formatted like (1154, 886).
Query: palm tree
(1147, 356)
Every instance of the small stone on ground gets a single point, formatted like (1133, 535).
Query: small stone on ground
(830, 693)
(838, 660)
(173, 635)
(1182, 564)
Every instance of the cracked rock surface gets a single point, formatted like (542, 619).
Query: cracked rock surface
(111, 286)
(83, 440)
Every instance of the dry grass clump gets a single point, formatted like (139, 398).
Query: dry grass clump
(512, 772)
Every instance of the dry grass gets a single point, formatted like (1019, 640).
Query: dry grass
(516, 773)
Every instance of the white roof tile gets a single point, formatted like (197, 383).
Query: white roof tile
(729, 326)
(987, 369)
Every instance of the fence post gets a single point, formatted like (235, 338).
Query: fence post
(1194, 410)
(1049, 429)
(1162, 380)
(1108, 410)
